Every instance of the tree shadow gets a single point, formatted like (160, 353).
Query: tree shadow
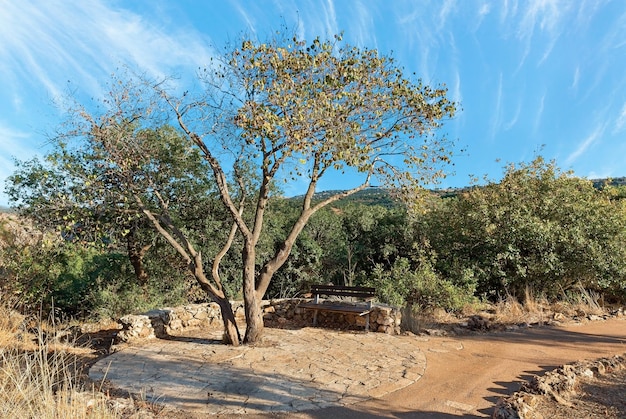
(217, 388)
(202, 379)
(549, 337)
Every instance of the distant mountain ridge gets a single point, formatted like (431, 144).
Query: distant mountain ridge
(612, 181)
(378, 195)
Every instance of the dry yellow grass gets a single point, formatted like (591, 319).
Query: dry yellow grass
(509, 311)
(42, 380)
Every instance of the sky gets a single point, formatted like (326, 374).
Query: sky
(531, 76)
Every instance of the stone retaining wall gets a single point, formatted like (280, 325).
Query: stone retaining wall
(557, 385)
(276, 313)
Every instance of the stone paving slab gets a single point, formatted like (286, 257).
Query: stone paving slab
(290, 370)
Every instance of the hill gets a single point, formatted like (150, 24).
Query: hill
(376, 195)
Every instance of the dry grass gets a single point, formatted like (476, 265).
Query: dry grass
(581, 303)
(510, 311)
(39, 379)
(533, 309)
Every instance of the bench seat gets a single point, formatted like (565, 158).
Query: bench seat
(341, 306)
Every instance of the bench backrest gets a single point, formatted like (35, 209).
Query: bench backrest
(343, 291)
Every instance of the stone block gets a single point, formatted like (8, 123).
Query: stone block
(386, 321)
(176, 324)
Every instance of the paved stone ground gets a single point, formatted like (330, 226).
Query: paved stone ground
(289, 371)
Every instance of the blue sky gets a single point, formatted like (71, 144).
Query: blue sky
(528, 74)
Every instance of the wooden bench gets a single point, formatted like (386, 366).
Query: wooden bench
(342, 306)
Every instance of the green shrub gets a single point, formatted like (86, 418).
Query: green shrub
(538, 228)
(419, 286)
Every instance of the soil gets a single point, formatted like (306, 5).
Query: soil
(602, 396)
(493, 364)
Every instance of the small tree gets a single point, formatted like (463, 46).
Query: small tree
(299, 110)
(288, 110)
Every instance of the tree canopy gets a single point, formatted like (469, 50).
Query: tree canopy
(539, 228)
(261, 114)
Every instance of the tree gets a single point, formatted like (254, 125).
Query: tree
(87, 190)
(288, 109)
(310, 109)
(538, 227)
(49, 197)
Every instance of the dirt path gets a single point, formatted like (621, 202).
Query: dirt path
(466, 382)
(413, 377)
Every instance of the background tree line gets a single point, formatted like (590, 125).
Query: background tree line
(537, 228)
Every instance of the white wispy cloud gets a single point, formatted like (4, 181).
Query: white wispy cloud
(313, 18)
(247, 17)
(614, 36)
(446, 10)
(53, 41)
(484, 9)
(548, 50)
(511, 123)
(585, 144)
(457, 94)
(363, 26)
(620, 123)
(602, 174)
(538, 25)
(539, 114)
(496, 118)
(576, 78)
(331, 18)
(11, 142)
(482, 12)
(424, 36)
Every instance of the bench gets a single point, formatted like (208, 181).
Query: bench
(341, 306)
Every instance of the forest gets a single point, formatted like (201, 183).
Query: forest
(537, 228)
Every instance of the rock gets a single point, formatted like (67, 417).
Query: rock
(176, 325)
(361, 320)
(201, 315)
(436, 332)
(386, 321)
(477, 322)
(135, 327)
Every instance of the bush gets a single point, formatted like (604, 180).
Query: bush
(48, 273)
(45, 273)
(538, 228)
(115, 291)
(419, 286)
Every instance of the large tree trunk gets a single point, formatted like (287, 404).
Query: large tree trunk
(136, 254)
(252, 305)
(231, 332)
